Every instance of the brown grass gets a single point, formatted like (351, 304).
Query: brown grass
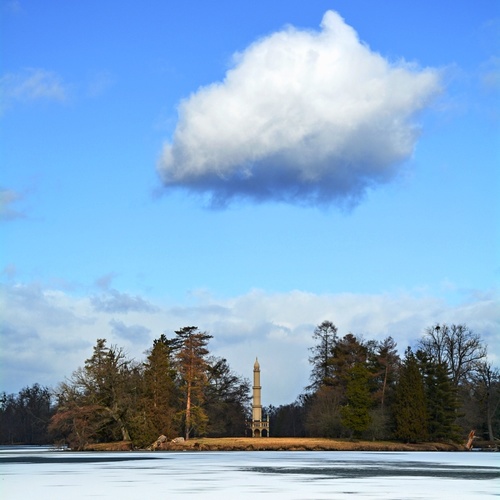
(302, 444)
(115, 446)
(280, 444)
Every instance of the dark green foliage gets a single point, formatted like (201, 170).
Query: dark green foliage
(347, 353)
(356, 412)
(341, 400)
(384, 364)
(485, 391)
(96, 403)
(358, 388)
(322, 353)
(177, 389)
(225, 400)
(441, 399)
(159, 396)
(410, 410)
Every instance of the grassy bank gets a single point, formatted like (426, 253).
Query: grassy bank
(282, 444)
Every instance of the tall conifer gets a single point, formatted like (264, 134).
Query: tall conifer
(410, 412)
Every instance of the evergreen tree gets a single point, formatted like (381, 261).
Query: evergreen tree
(226, 399)
(487, 399)
(441, 399)
(347, 353)
(325, 335)
(96, 403)
(159, 396)
(190, 349)
(356, 412)
(410, 412)
(383, 364)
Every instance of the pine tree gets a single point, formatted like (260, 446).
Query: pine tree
(410, 412)
(383, 364)
(322, 353)
(159, 398)
(441, 399)
(347, 353)
(225, 400)
(356, 412)
(190, 347)
(487, 398)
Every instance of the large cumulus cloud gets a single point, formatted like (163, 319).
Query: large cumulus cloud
(302, 117)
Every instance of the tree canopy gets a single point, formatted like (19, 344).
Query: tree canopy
(359, 389)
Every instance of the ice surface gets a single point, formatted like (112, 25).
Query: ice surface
(45, 473)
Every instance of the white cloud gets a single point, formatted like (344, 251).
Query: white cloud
(134, 333)
(32, 84)
(47, 334)
(302, 117)
(114, 301)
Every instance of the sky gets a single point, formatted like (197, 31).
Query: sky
(249, 168)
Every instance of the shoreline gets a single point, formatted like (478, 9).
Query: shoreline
(279, 444)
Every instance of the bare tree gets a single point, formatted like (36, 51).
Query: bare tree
(457, 346)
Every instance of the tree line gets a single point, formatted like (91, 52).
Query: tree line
(179, 389)
(358, 389)
(439, 391)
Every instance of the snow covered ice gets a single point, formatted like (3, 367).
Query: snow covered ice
(51, 474)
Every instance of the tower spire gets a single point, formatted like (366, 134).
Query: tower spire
(259, 426)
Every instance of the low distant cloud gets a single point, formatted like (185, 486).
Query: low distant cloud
(8, 205)
(134, 333)
(114, 301)
(32, 84)
(9, 271)
(302, 117)
(60, 328)
(104, 282)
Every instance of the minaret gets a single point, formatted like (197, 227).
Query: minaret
(257, 404)
(260, 427)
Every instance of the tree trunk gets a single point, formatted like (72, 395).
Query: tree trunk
(489, 423)
(125, 433)
(188, 411)
(384, 386)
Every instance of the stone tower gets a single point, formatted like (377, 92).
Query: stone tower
(259, 426)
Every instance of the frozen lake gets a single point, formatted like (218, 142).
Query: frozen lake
(44, 473)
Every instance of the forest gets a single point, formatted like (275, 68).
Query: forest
(359, 389)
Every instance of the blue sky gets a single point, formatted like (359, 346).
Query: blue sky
(252, 168)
